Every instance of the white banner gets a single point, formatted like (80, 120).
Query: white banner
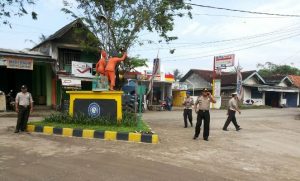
(239, 85)
(82, 69)
(217, 88)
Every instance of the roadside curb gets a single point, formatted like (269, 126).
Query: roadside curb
(94, 134)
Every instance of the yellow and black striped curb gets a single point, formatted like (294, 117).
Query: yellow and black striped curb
(85, 133)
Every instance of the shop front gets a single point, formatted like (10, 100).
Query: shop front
(33, 70)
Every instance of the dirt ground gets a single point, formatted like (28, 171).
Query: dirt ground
(267, 148)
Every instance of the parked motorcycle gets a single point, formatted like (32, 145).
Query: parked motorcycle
(10, 101)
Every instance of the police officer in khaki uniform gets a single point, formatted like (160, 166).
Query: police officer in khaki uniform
(187, 112)
(232, 109)
(202, 106)
(24, 106)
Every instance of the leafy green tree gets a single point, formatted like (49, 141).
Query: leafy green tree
(270, 68)
(9, 8)
(117, 24)
(177, 75)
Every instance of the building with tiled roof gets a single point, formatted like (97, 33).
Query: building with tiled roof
(275, 90)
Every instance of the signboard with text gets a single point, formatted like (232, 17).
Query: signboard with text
(82, 69)
(69, 82)
(19, 63)
(224, 61)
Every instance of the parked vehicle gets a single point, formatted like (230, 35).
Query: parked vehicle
(10, 101)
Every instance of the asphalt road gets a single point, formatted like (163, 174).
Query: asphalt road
(268, 148)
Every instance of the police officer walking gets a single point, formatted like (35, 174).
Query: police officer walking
(202, 106)
(232, 109)
(24, 106)
(187, 112)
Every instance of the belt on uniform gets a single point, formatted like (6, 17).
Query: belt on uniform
(24, 106)
(204, 110)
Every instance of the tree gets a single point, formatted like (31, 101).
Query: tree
(177, 75)
(270, 68)
(117, 23)
(9, 8)
(42, 38)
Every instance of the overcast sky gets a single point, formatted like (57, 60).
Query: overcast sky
(252, 38)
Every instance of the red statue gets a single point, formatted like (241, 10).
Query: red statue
(100, 66)
(110, 69)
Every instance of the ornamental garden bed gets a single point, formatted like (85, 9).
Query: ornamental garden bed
(130, 128)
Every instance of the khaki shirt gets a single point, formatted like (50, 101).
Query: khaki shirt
(203, 103)
(188, 103)
(24, 99)
(232, 104)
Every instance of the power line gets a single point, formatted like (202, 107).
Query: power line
(236, 50)
(243, 11)
(239, 45)
(206, 44)
(246, 17)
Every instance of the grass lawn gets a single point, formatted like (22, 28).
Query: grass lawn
(144, 126)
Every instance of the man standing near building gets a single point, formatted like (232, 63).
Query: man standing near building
(202, 107)
(187, 112)
(232, 109)
(24, 106)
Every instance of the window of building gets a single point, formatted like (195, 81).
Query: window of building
(255, 94)
(66, 56)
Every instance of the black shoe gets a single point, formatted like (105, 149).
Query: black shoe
(237, 129)
(206, 139)
(16, 131)
(185, 127)
(225, 129)
(195, 137)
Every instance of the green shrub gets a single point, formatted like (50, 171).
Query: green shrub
(129, 119)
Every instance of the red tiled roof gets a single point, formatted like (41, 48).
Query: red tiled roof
(295, 79)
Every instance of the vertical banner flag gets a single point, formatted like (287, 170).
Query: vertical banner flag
(239, 80)
(155, 71)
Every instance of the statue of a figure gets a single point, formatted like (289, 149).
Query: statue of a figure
(100, 66)
(100, 82)
(110, 68)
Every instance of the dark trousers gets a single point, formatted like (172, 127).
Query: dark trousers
(22, 118)
(187, 113)
(231, 117)
(202, 115)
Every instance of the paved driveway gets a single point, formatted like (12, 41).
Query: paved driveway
(266, 149)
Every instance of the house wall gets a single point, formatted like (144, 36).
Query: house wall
(198, 82)
(249, 100)
(251, 81)
(282, 84)
(178, 97)
(44, 48)
(282, 100)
